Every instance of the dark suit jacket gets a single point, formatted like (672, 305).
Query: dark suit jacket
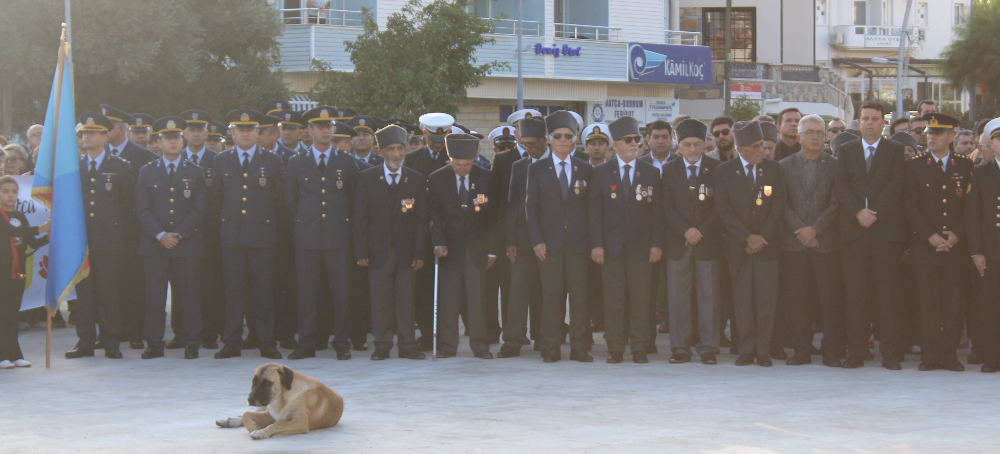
(623, 223)
(782, 151)
(934, 202)
(171, 206)
(247, 208)
(810, 205)
(736, 204)
(882, 187)
(501, 170)
(458, 229)
(649, 158)
(380, 221)
(421, 161)
(549, 216)
(108, 202)
(515, 219)
(982, 211)
(321, 203)
(135, 155)
(683, 209)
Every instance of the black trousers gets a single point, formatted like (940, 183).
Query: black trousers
(392, 304)
(133, 294)
(361, 304)
(595, 295)
(252, 269)
(867, 262)
(184, 276)
(974, 310)
(941, 290)
(11, 292)
(98, 300)
(497, 288)
(801, 270)
(563, 273)
(990, 328)
(309, 265)
(623, 276)
(423, 298)
(213, 295)
(285, 293)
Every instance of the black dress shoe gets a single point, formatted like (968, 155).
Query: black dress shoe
(191, 352)
(709, 358)
(379, 355)
(832, 362)
(301, 353)
(778, 353)
(112, 352)
(550, 358)
(976, 357)
(745, 359)
(926, 367)
(509, 351)
(270, 352)
(343, 354)
(580, 356)
(250, 344)
(954, 366)
(891, 364)
(651, 349)
(639, 358)
(152, 352)
(288, 344)
(764, 361)
(174, 344)
(136, 345)
(360, 346)
(989, 367)
(98, 345)
(210, 345)
(445, 355)
(853, 362)
(799, 359)
(227, 352)
(79, 353)
(614, 358)
(484, 355)
(412, 355)
(678, 358)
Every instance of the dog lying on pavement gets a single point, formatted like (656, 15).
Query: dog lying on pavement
(288, 403)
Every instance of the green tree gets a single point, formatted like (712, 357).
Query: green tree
(157, 57)
(743, 108)
(973, 57)
(422, 62)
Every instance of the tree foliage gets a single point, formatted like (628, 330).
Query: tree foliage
(743, 108)
(159, 57)
(422, 62)
(973, 57)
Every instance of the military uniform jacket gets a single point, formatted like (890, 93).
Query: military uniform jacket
(982, 211)
(383, 220)
(321, 203)
(108, 202)
(176, 206)
(935, 202)
(135, 155)
(552, 220)
(619, 222)
(459, 228)
(685, 207)
(206, 162)
(515, 218)
(881, 187)
(247, 202)
(815, 206)
(422, 161)
(373, 159)
(736, 204)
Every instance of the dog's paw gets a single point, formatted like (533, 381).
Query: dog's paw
(258, 434)
(229, 423)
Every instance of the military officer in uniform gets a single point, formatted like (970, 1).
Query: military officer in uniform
(320, 195)
(196, 135)
(275, 105)
(982, 218)
(290, 129)
(626, 233)
(556, 206)
(215, 138)
(246, 190)
(434, 127)
(119, 145)
(936, 182)
(416, 138)
(390, 236)
(750, 201)
(170, 200)
(268, 138)
(363, 146)
(108, 200)
(154, 143)
(138, 129)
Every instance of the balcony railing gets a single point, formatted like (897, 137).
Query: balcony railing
(742, 70)
(322, 16)
(593, 32)
(687, 38)
(509, 27)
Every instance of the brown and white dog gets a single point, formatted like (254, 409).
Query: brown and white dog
(288, 403)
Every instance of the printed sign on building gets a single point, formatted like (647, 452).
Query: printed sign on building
(646, 110)
(668, 63)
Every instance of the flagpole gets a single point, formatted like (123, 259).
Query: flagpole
(60, 63)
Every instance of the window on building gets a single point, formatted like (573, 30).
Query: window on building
(959, 15)
(821, 18)
(504, 15)
(581, 19)
(744, 33)
(922, 19)
(860, 16)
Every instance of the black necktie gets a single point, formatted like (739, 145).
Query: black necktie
(434, 156)
(170, 173)
(942, 166)
(392, 181)
(870, 158)
(93, 168)
(246, 162)
(563, 180)
(463, 194)
(750, 176)
(194, 159)
(322, 163)
(693, 176)
(625, 177)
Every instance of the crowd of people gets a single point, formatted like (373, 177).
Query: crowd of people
(307, 226)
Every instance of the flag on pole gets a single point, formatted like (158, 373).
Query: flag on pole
(57, 185)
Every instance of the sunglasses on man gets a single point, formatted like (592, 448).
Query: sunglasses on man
(837, 130)
(721, 132)
(629, 139)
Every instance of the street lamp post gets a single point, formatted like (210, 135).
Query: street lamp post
(899, 63)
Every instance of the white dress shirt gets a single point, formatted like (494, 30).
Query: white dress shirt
(697, 166)
(389, 173)
(873, 146)
(631, 170)
(568, 168)
(745, 164)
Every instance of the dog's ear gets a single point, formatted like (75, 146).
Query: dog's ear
(286, 377)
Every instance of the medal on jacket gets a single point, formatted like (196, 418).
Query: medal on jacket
(701, 192)
(760, 201)
(340, 182)
(475, 204)
(958, 190)
(107, 185)
(649, 193)
(767, 191)
(639, 193)
(263, 179)
(407, 204)
(576, 187)
(187, 189)
(208, 175)
(613, 193)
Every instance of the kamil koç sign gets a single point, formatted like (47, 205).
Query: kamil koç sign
(669, 63)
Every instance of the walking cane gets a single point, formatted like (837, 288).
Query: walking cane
(434, 348)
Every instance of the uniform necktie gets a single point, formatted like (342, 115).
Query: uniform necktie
(463, 194)
(693, 176)
(434, 156)
(246, 161)
(392, 181)
(322, 163)
(93, 168)
(625, 176)
(194, 159)
(170, 173)
(563, 180)
(750, 176)
(942, 165)
(870, 158)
